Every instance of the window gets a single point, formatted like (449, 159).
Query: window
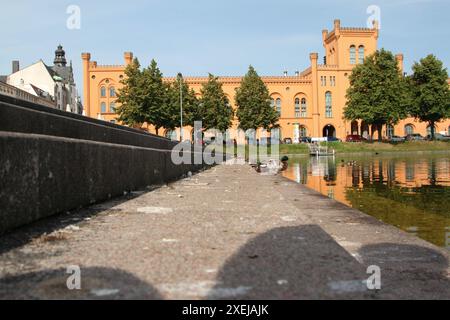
(333, 81)
(112, 92)
(328, 105)
(323, 81)
(352, 55)
(278, 105)
(112, 107)
(272, 103)
(103, 92)
(390, 131)
(297, 108)
(304, 108)
(303, 132)
(409, 129)
(361, 54)
(103, 107)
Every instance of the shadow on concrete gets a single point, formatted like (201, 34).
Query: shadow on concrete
(290, 263)
(25, 234)
(96, 284)
(409, 271)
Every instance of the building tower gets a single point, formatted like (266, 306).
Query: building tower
(60, 57)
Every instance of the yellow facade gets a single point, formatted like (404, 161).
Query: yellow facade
(311, 102)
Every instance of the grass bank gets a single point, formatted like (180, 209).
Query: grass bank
(343, 148)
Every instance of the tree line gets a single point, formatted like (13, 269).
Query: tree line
(146, 98)
(380, 94)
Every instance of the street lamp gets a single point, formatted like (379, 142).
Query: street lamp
(180, 79)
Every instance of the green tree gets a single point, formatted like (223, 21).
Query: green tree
(215, 106)
(191, 106)
(430, 92)
(378, 92)
(154, 96)
(253, 101)
(130, 96)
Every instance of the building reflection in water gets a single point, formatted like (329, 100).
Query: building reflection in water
(411, 193)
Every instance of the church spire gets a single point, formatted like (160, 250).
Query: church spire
(60, 57)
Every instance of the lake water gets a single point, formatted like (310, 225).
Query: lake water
(411, 192)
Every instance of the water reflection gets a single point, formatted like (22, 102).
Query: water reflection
(411, 193)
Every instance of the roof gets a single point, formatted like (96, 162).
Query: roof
(66, 73)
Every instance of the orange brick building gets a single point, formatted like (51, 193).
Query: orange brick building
(310, 103)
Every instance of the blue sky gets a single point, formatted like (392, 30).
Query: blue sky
(222, 37)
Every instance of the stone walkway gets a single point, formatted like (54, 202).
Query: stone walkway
(226, 233)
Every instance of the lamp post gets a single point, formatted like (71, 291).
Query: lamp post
(180, 79)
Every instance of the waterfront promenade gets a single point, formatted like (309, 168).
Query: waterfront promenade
(225, 233)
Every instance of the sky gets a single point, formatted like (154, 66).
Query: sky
(223, 37)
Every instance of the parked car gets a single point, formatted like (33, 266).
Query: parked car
(355, 138)
(439, 137)
(414, 137)
(305, 140)
(333, 139)
(287, 141)
(396, 139)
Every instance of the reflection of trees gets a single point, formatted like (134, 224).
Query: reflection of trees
(355, 176)
(395, 206)
(432, 173)
(331, 172)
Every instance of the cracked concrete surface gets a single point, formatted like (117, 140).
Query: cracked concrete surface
(225, 233)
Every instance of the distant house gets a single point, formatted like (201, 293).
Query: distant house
(53, 82)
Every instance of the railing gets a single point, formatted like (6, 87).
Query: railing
(13, 92)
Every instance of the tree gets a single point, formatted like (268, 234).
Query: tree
(154, 96)
(378, 92)
(215, 106)
(130, 96)
(430, 92)
(253, 101)
(191, 108)
(143, 96)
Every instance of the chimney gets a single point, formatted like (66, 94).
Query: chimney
(15, 66)
(128, 56)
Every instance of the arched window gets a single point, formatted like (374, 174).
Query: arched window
(112, 107)
(352, 55)
(112, 92)
(328, 105)
(272, 103)
(304, 108)
(390, 131)
(103, 107)
(361, 53)
(297, 108)
(103, 92)
(303, 132)
(409, 129)
(278, 105)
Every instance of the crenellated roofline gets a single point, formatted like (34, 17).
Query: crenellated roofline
(238, 80)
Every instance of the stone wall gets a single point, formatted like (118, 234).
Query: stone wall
(53, 162)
